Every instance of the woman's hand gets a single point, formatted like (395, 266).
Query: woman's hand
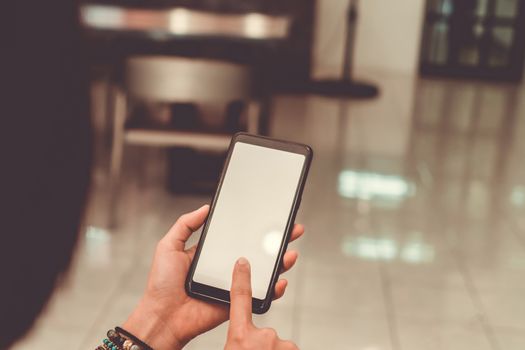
(242, 333)
(166, 317)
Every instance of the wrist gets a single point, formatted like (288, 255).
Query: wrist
(149, 326)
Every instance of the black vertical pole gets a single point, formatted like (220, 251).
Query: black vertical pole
(351, 17)
(346, 86)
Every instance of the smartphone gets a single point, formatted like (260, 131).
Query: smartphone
(251, 215)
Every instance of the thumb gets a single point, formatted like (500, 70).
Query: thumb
(241, 294)
(182, 229)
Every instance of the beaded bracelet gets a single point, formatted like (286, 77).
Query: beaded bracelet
(120, 339)
(114, 337)
(139, 344)
(108, 345)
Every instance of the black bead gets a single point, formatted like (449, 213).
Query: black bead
(115, 337)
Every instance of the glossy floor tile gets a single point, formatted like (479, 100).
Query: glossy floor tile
(414, 211)
(441, 336)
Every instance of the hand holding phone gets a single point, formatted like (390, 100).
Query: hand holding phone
(166, 317)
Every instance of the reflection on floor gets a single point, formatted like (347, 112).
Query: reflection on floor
(415, 227)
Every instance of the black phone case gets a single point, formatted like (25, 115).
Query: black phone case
(213, 294)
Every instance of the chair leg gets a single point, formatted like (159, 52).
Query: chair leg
(109, 108)
(252, 117)
(117, 152)
(265, 114)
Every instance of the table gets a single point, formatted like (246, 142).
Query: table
(178, 24)
(184, 22)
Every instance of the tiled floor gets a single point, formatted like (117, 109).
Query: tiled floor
(415, 216)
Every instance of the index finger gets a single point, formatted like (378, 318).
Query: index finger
(241, 294)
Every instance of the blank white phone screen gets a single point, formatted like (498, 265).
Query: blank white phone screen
(250, 216)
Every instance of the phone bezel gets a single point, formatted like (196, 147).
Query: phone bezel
(209, 293)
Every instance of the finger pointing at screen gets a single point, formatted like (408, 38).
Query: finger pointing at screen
(242, 333)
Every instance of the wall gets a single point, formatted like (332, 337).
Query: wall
(387, 39)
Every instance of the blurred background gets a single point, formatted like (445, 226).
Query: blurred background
(414, 208)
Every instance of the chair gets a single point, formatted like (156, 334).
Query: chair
(159, 79)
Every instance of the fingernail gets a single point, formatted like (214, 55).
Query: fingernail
(243, 262)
